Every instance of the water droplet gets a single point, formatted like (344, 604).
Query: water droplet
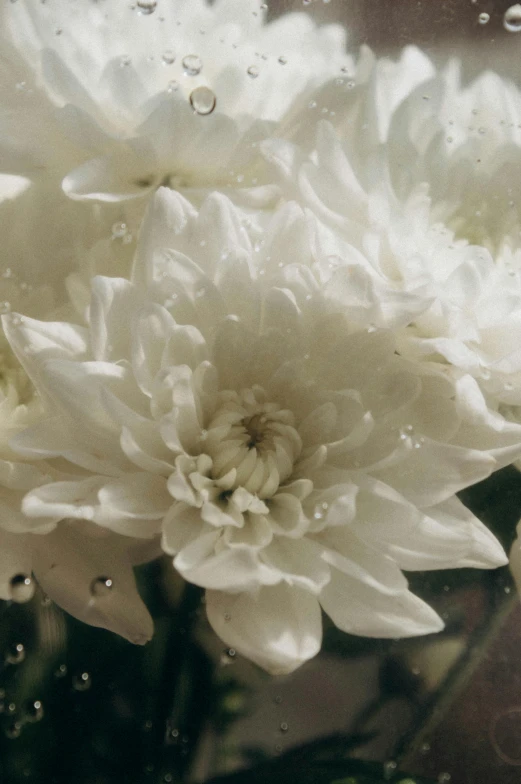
(34, 711)
(512, 19)
(444, 778)
(168, 57)
(425, 748)
(13, 730)
(15, 654)
(483, 18)
(277, 700)
(58, 31)
(253, 71)
(146, 7)
(21, 588)
(125, 60)
(485, 374)
(284, 726)
(173, 86)
(406, 432)
(320, 510)
(61, 671)
(283, 60)
(101, 586)
(119, 229)
(203, 100)
(228, 656)
(482, 131)
(192, 64)
(81, 682)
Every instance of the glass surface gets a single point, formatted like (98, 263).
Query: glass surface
(80, 704)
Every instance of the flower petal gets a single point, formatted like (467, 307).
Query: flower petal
(67, 564)
(278, 627)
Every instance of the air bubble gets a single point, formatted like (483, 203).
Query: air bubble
(101, 586)
(13, 730)
(168, 57)
(119, 229)
(146, 7)
(203, 100)
(228, 656)
(21, 588)
(81, 682)
(252, 71)
(192, 64)
(512, 19)
(34, 711)
(484, 18)
(15, 654)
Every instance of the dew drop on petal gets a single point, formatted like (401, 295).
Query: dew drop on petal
(101, 586)
(484, 18)
(146, 7)
(119, 229)
(252, 71)
(168, 57)
(203, 100)
(15, 654)
(512, 18)
(21, 588)
(192, 64)
(34, 711)
(173, 86)
(82, 681)
(283, 60)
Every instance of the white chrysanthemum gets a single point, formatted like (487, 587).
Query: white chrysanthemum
(401, 267)
(465, 142)
(288, 459)
(70, 561)
(112, 90)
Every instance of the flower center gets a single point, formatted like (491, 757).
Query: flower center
(253, 441)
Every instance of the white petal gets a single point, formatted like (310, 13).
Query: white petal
(68, 561)
(237, 569)
(359, 608)
(279, 627)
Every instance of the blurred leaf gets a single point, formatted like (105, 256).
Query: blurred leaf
(306, 765)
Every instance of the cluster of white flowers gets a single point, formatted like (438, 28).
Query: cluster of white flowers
(245, 321)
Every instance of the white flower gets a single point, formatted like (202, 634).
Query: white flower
(113, 90)
(401, 267)
(462, 140)
(288, 459)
